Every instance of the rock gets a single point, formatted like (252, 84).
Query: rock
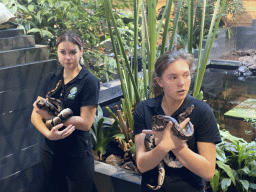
(130, 166)
(95, 155)
(114, 160)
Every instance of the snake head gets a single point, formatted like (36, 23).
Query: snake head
(41, 103)
(159, 122)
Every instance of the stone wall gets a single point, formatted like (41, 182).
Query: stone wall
(246, 36)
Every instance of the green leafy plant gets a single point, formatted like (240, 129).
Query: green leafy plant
(145, 19)
(236, 165)
(46, 19)
(251, 122)
(104, 68)
(232, 7)
(101, 138)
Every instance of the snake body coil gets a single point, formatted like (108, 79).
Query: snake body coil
(159, 123)
(55, 108)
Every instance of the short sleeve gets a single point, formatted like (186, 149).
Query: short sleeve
(139, 119)
(207, 130)
(91, 91)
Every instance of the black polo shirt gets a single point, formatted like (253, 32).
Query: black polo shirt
(83, 90)
(206, 130)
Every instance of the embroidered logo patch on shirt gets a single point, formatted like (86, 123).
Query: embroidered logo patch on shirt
(72, 93)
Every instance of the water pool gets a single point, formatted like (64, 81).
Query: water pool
(223, 91)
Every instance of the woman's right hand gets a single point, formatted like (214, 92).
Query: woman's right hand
(166, 137)
(55, 134)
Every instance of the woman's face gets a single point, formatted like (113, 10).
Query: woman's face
(69, 54)
(176, 80)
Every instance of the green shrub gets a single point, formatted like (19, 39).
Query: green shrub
(236, 165)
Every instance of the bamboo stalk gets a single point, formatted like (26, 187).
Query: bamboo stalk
(152, 39)
(200, 47)
(175, 24)
(166, 26)
(190, 24)
(123, 50)
(208, 46)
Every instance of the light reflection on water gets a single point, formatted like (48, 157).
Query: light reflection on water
(223, 90)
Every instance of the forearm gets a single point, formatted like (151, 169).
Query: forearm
(37, 121)
(195, 162)
(147, 160)
(79, 123)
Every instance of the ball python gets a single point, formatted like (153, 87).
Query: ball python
(159, 123)
(55, 108)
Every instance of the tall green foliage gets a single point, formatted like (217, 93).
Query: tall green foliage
(149, 35)
(49, 17)
(46, 19)
(201, 66)
(233, 8)
(134, 88)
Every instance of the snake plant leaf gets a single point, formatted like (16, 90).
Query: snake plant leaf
(228, 170)
(225, 183)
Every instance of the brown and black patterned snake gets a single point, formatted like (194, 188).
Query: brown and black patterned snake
(159, 123)
(55, 108)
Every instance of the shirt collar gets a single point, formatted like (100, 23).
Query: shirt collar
(81, 74)
(156, 104)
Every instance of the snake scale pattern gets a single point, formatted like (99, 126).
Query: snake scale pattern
(159, 123)
(55, 108)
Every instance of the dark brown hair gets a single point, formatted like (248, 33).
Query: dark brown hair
(70, 36)
(163, 62)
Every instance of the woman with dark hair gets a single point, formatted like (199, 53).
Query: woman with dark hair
(68, 163)
(196, 156)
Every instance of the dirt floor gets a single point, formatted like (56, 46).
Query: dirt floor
(235, 55)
